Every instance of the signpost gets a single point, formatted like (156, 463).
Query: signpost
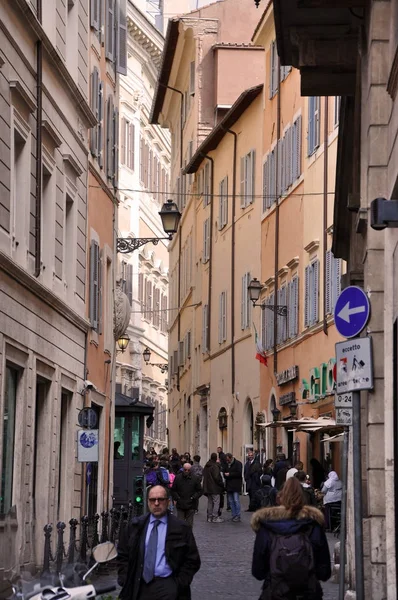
(354, 372)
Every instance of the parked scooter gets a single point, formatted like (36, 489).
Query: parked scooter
(101, 553)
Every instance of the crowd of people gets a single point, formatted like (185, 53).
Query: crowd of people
(158, 554)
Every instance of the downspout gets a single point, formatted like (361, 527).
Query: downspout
(325, 208)
(233, 231)
(276, 253)
(169, 87)
(210, 250)
(39, 168)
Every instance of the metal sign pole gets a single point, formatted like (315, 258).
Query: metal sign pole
(357, 482)
(343, 524)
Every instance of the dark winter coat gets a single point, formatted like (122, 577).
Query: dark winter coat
(212, 480)
(252, 476)
(186, 491)
(277, 520)
(233, 481)
(181, 554)
(266, 496)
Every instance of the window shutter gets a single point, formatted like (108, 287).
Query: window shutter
(316, 121)
(315, 268)
(220, 205)
(131, 156)
(175, 362)
(284, 302)
(116, 148)
(243, 304)
(278, 319)
(95, 109)
(271, 320)
(272, 71)
(336, 281)
(121, 39)
(242, 182)
(189, 344)
(204, 329)
(95, 14)
(265, 185)
(224, 317)
(225, 203)
(307, 297)
(296, 306)
(109, 137)
(181, 353)
(100, 153)
(252, 176)
(328, 282)
(298, 148)
(279, 171)
(100, 294)
(123, 142)
(141, 290)
(220, 308)
(192, 78)
(290, 157)
(94, 284)
(129, 282)
(110, 29)
(310, 125)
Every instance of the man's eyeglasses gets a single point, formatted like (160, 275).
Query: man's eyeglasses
(154, 500)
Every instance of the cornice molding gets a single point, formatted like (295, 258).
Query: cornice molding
(293, 263)
(22, 277)
(312, 246)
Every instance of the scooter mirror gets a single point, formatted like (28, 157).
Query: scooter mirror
(104, 552)
(6, 589)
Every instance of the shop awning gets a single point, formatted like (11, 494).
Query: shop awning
(334, 438)
(307, 424)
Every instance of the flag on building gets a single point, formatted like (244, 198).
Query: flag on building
(260, 354)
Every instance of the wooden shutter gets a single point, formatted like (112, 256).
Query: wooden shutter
(271, 70)
(307, 297)
(121, 39)
(243, 304)
(94, 284)
(95, 14)
(298, 148)
(311, 124)
(271, 320)
(315, 300)
(279, 170)
(225, 203)
(205, 328)
(95, 108)
(242, 183)
(220, 205)
(192, 78)
(110, 30)
(181, 353)
(336, 281)
(317, 106)
(109, 137)
(115, 174)
(129, 282)
(290, 315)
(124, 143)
(295, 311)
(100, 294)
(328, 282)
(141, 290)
(283, 320)
(224, 317)
(101, 110)
(175, 362)
(265, 185)
(252, 176)
(220, 320)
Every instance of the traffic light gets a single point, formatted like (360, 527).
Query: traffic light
(139, 490)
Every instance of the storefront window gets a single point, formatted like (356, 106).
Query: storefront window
(118, 439)
(7, 467)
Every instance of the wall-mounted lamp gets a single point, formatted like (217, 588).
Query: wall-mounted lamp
(164, 367)
(276, 413)
(170, 216)
(254, 288)
(123, 342)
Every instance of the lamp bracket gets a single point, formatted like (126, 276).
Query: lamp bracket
(129, 244)
(164, 367)
(280, 310)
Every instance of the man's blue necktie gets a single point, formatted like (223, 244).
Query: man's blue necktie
(150, 553)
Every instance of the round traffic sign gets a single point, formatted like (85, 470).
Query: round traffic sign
(87, 417)
(352, 311)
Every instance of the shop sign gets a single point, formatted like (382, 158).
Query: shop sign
(287, 375)
(287, 398)
(321, 382)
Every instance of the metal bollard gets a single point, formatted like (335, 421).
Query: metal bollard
(72, 541)
(60, 545)
(104, 527)
(47, 548)
(84, 539)
(96, 540)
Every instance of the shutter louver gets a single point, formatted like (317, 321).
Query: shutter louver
(115, 174)
(100, 151)
(94, 284)
(296, 306)
(220, 308)
(109, 137)
(242, 183)
(315, 267)
(95, 109)
(121, 39)
(110, 29)
(243, 304)
(95, 14)
(100, 294)
(129, 282)
(307, 297)
(310, 125)
(328, 282)
(298, 148)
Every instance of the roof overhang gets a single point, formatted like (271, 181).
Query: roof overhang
(320, 38)
(169, 50)
(132, 405)
(217, 134)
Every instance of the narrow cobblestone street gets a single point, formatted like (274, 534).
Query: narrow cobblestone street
(226, 553)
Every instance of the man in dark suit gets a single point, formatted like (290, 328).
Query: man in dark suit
(252, 473)
(157, 554)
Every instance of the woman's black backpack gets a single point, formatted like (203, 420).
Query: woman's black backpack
(292, 567)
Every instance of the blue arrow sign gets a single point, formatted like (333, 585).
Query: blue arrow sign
(351, 312)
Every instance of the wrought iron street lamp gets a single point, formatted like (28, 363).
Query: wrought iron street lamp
(276, 413)
(170, 216)
(164, 367)
(254, 289)
(123, 342)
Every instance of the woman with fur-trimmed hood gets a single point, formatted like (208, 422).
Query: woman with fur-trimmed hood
(274, 527)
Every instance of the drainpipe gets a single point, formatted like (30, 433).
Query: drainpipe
(325, 208)
(39, 168)
(210, 249)
(233, 231)
(173, 89)
(276, 253)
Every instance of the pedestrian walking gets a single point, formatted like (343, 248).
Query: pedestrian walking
(186, 491)
(197, 468)
(213, 486)
(308, 490)
(252, 474)
(157, 554)
(333, 490)
(291, 552)
(266, 495)
(233, 484)
(297, 467)
(281, 468)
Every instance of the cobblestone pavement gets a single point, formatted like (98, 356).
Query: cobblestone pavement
(226, 553)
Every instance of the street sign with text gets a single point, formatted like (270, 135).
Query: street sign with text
(343, 400)
(344, 416)
(354, 370)
(351, 312)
